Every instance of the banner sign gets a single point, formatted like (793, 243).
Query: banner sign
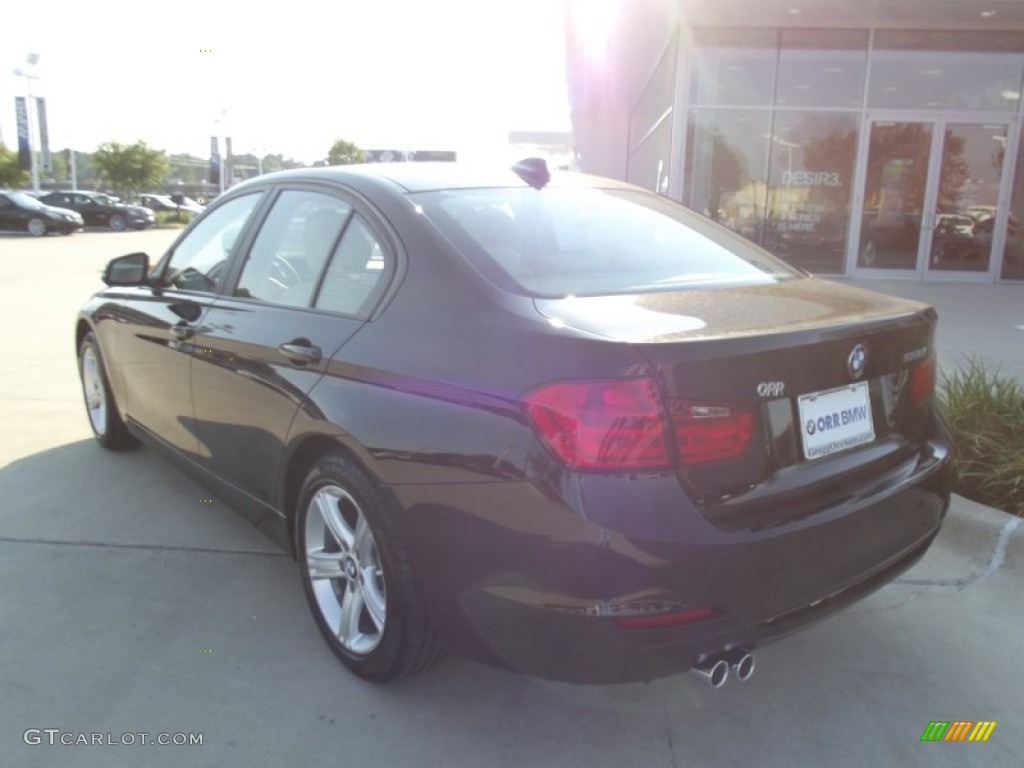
(214, 160)
(44, 136)
(24, 143)
(228, 165)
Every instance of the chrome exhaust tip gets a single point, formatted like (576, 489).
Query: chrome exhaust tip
(714, 671)
(742, 663)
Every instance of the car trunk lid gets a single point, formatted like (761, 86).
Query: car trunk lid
(818, 384)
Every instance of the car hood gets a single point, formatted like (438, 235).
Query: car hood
(723, 312)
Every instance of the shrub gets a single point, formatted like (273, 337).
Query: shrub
(986, 412)
(172, 218)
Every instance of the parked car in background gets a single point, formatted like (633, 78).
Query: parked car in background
(21, 212)
(554, 422)
(101, 210)
(158, 203)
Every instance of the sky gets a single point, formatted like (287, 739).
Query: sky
(289, 77)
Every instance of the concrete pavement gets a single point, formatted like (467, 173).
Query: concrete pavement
(132, 602)
(982, 320)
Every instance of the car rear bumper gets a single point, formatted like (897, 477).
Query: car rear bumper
(524, 580)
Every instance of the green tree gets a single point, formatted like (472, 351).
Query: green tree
(344, 153)
(10, 174)
(130, 168)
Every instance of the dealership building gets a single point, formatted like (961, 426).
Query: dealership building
(865, 138)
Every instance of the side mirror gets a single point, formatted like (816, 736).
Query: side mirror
(132, 269)
(177, 198)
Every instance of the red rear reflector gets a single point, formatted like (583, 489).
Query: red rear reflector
(601, 424)
(922, 381)
(653, 620)
(710, 431)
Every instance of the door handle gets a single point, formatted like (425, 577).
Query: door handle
(183, 331)
(301, 352)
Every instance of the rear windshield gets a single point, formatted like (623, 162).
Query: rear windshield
(559, 242)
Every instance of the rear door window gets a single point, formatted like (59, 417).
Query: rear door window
(289, 253)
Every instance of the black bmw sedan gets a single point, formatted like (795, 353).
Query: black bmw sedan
(20, 212)
(99, 210)
(549, 421)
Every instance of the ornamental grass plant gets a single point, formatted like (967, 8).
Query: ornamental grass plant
(986, 412)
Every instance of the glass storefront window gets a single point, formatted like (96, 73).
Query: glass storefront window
(649, 163)
(1013, 251)
(656, 99)
(822, 68)
(726, 160)
(945, 70)
(734, 67)
(810, 182)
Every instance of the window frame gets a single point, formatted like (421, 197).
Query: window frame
(383, 231)
(158, 273)
(245, 257)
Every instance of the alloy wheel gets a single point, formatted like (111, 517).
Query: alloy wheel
(345, 570)
(95, 392)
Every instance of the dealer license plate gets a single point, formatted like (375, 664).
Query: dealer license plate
(835, 420)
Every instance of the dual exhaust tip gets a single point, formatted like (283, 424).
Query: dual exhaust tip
(714, 670)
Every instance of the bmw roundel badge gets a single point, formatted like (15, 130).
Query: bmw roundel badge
(857, 361)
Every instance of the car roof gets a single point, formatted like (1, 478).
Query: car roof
(432, 176)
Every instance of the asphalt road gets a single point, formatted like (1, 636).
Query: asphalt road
(134, 602)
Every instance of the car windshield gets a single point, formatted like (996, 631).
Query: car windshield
(105, 199)
(25, 201)
(163, 199)
(584, 242)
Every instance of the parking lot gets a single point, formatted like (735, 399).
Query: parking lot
(135, 602)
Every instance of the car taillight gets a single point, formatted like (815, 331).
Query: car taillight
(922, 380)
(708, 431)
(612, 424)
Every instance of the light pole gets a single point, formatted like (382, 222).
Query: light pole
(219, 122)
(31, 60)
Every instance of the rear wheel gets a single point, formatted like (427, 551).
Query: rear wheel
(36, 227)
(357, 575)
(104, 418)
(117, 223)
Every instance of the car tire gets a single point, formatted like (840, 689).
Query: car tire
(357, 575)
(117, 223)
(36, 227)
(104, 418)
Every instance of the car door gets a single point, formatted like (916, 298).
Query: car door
(60, 200)
(154, 336)
(266, 342)
(93, 212)
(9, 214)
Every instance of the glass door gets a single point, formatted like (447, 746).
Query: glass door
(933, 192)
(896, 187)
(965, 216)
